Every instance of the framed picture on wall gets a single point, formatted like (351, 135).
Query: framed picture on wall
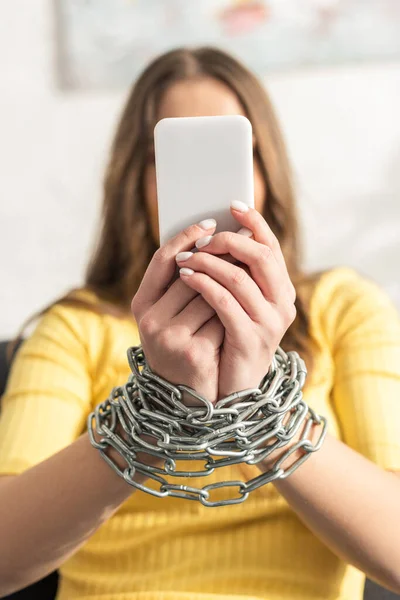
(103, 44)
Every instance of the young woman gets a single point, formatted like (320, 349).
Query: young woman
(312, 535)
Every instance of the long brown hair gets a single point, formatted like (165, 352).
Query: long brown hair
(126, 244)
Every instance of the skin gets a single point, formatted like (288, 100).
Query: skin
(192, 333)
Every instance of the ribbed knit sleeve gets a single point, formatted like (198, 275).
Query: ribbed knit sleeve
(362, 328)
(48, 394)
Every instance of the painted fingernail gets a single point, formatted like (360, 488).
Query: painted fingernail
(240, 206)
(204, 241)
(186, 271)
(181, 256)
(245, 231)
(208, 224)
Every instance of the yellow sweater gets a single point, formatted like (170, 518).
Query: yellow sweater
(170, 549)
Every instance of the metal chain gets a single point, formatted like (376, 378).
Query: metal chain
(244, 427)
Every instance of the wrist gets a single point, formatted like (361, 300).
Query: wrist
(268, 463)
(118, 458)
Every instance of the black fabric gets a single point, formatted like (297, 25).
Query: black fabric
(374, 592)
(45, 589)
(4, 366)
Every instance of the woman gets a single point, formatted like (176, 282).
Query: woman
(312, 535)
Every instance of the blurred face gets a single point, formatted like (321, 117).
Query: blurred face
(196, 98)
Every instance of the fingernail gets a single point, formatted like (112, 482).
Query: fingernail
(245, 231)
(204, 241)
(240, 206)
(186, 271)
(208, 224)
(181, 256)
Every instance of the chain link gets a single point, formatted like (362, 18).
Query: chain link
(244, 427)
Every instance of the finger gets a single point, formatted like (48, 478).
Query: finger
(253, 220)
(231, 314)
(162, 266)
(234, 279)
(195, 315)
(250, 218)
(212, 334)
(173, 302)
(242, 231)
(268, 275)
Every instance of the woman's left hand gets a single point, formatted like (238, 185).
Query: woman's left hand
(254, 304)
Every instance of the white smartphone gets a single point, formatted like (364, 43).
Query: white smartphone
(202, 164)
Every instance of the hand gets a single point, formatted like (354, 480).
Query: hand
(179, 331)
(255, 304)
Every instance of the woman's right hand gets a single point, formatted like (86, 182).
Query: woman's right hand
(180, 333)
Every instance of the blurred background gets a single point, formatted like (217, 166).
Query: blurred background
(332, 68)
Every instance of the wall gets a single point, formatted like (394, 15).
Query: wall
(342, 127)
